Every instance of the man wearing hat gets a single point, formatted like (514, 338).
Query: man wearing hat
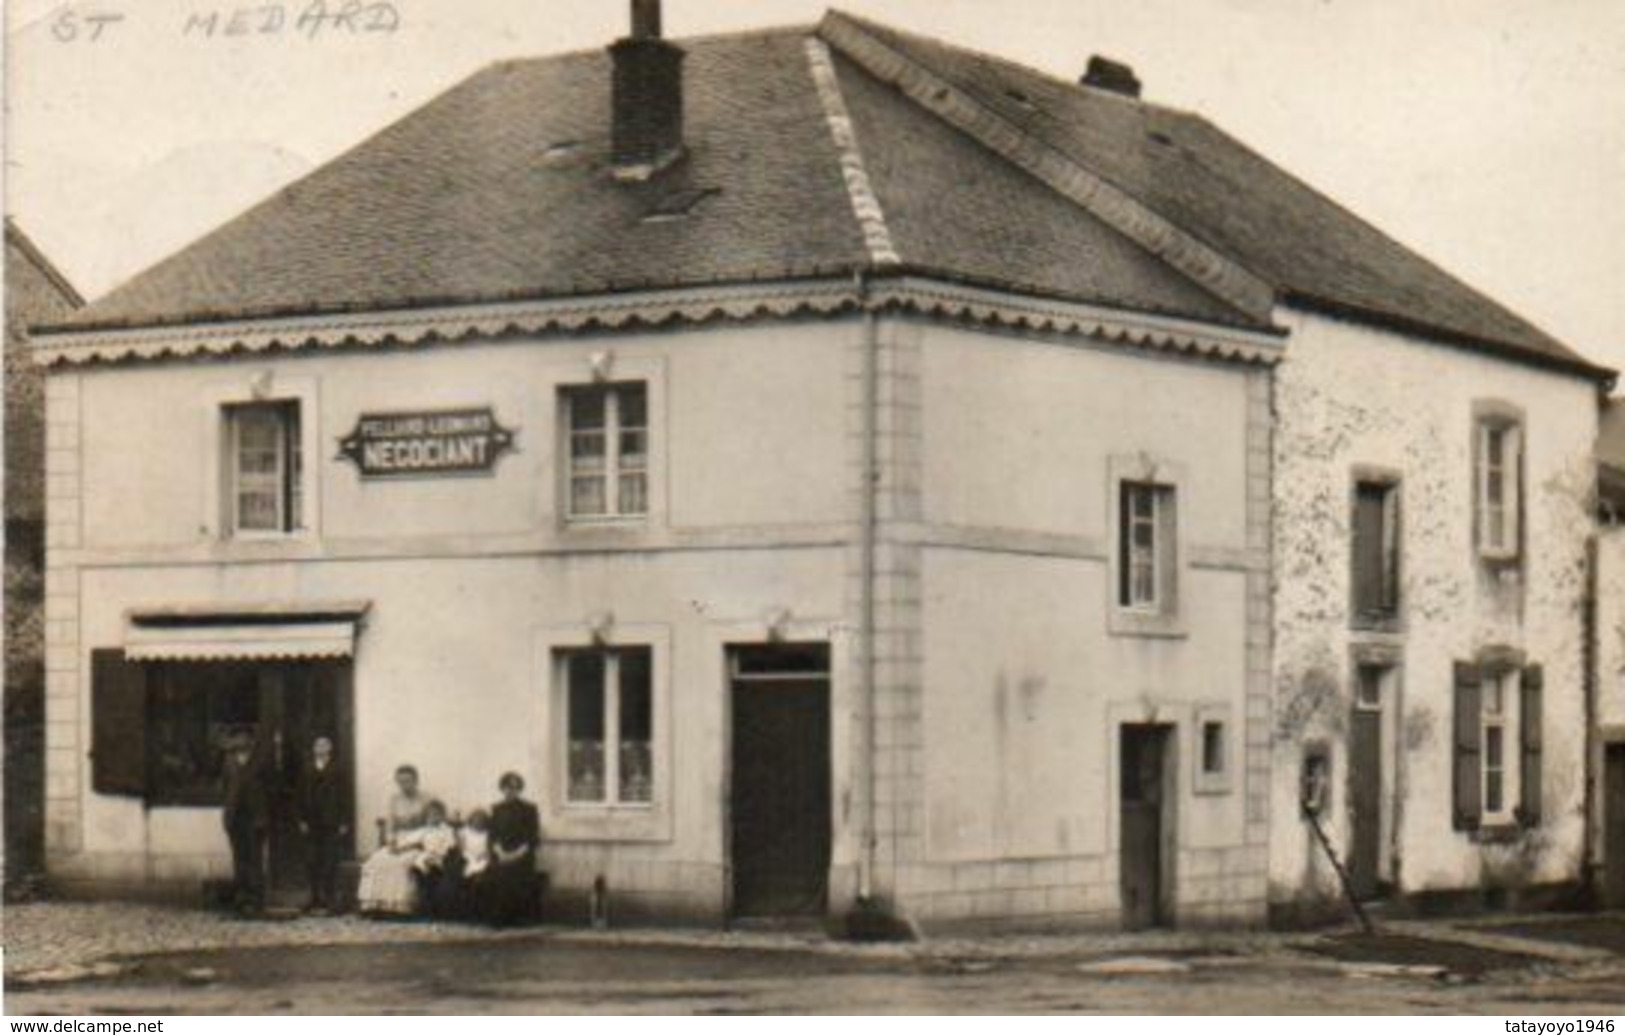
(247, 818)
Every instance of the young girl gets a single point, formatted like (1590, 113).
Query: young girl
(432, 849)
(476, 858)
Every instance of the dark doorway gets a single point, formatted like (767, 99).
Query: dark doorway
(1146, 785)
(298, 703)
(780, 800)
(1613, 825)
(1366, 782)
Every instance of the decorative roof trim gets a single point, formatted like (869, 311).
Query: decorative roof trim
(865, 202)
(1191, 256)
(1052, 316)
(452, 325)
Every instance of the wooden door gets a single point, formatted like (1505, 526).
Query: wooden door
(299, 702)
(1613, 820)
(1144, 792)
(1365, 800)
(780, 823)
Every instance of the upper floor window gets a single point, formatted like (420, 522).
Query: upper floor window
(266, 468)
(1375, 551)
(1145, 566)
(1498, 483)
(607, 444)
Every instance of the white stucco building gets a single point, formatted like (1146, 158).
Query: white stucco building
(826, 480)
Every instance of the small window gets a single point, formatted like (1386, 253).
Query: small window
(266, 468)
(1145, 547)
(1212, 747)
(607, 444)
(609, 727)
(1499, 487)
(1375, 547)
(1212, 750)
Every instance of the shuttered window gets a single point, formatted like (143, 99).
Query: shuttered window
(1497, 764)
(1375, 560)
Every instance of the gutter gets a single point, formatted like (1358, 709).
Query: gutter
(868, 533)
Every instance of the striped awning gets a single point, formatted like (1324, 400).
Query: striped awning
(263, 632)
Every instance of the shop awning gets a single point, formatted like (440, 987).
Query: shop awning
(258, 632)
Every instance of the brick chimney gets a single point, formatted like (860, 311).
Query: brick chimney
(647, 103)
(1111, 76)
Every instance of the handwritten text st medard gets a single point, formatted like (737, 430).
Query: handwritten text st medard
(308, 19)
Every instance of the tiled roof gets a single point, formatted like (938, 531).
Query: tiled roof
(1313, 250)
(496, 190)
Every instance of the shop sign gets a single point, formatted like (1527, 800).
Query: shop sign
(426, 443)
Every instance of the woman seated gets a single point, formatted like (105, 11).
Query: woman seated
(387, 885)
(509, 886)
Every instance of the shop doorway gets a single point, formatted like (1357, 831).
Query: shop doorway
(1366, 782)
(1146, 788)
(780, 802)
(194, 706)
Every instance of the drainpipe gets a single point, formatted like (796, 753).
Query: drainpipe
(869, 521)
(1590, 680)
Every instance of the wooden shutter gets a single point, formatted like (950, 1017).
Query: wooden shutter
(1390, 550)
(1368, 549)
(1529, 741)
(1468, 811)
(1515, 509)
(118, 724)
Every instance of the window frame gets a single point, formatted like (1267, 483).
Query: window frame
(216, 518)
(1162, 615)
(1505, 720)
(611, 691)
(290, 473)
(1208, 781)
(590, 822)
(613, 458)
(1493, 418)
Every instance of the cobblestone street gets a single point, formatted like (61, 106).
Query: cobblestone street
(107, 958)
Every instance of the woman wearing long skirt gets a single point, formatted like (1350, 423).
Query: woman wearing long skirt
(509, 887)
(388, 887)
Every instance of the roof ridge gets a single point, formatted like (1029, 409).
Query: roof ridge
(1216, 271)
(25, 244)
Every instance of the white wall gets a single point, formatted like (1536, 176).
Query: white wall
(1352, 395)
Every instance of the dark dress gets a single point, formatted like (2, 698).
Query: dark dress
(508, 890)
(322, 810)
(247, 819)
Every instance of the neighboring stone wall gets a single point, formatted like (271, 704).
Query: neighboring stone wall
(34, 293)
(1352, 395)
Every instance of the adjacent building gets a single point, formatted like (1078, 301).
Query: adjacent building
(1606, 795)
(35, 292)
(838, 470)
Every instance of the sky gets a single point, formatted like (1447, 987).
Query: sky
(1487, 134)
